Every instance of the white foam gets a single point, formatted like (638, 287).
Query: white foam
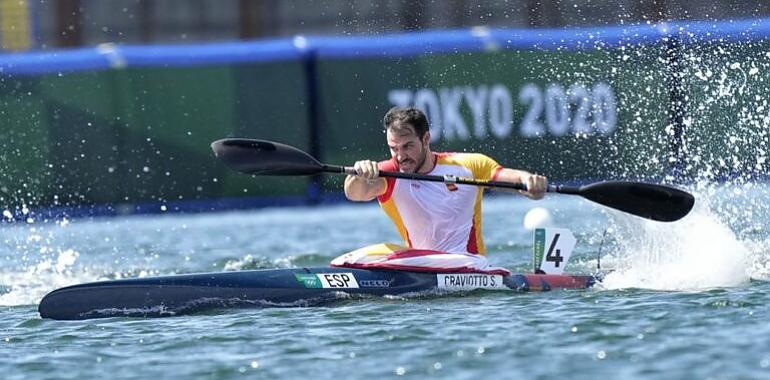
(28, 286)
(759, 255)
(699, 252)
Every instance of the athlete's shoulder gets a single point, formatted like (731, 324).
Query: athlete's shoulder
(464, 158)
(481, 165)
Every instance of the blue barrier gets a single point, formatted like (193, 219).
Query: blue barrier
(398, 45)
(729, 31)
(394, 45)
(52, 62)
(209, 54)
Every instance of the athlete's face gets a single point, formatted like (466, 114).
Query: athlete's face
(408, 149)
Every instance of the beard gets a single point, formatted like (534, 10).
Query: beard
(419, 163)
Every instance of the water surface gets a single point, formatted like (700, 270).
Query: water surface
(684, 300)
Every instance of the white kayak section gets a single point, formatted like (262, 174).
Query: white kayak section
(395, 257)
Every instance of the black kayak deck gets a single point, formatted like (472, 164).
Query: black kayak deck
(189, 293)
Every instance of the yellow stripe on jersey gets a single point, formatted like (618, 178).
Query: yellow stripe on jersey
(480, 165)
(477, 224)
(392, 211)
(484, 168)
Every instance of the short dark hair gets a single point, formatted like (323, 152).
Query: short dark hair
(399, 119)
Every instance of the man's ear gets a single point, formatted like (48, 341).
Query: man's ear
(426, 138)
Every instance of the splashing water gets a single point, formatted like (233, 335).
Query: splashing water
(43, 255)
(698, 253)
(724, 242)
(712, 247)
(28, 286)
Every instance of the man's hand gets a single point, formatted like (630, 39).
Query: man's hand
(366, 169)
(366, 184)
(536, 186)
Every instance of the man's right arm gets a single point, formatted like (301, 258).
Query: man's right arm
(366, 185)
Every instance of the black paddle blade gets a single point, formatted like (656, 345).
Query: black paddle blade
(260, 157)
(656, 202)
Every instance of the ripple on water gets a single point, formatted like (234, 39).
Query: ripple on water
(619, 333)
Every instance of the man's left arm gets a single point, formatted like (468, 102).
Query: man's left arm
(484, 167)
(536, 184)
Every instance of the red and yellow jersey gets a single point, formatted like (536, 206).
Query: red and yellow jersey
(438, 216)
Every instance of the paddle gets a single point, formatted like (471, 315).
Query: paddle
(260, 157)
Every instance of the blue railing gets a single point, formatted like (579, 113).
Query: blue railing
(109, 56)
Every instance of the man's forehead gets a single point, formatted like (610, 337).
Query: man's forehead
(402, 135)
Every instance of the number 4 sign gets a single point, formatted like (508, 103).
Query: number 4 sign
(552, 249)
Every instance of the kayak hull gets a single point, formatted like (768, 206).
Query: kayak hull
(190, 293)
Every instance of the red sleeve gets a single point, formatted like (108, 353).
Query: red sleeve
(388, 166)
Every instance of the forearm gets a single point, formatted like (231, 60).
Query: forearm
(536, 185)
(360, 189)
(512, 176)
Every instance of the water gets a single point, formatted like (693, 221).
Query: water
(684, 300)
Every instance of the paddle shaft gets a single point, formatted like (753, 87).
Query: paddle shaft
(651, 201)
(449, 179)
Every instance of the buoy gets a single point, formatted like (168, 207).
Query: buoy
(536, 218)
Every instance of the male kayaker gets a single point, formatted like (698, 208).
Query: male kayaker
(430, 215)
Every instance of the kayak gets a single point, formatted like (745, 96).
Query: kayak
(296, 287)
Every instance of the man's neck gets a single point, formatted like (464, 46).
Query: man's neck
(429, 164)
